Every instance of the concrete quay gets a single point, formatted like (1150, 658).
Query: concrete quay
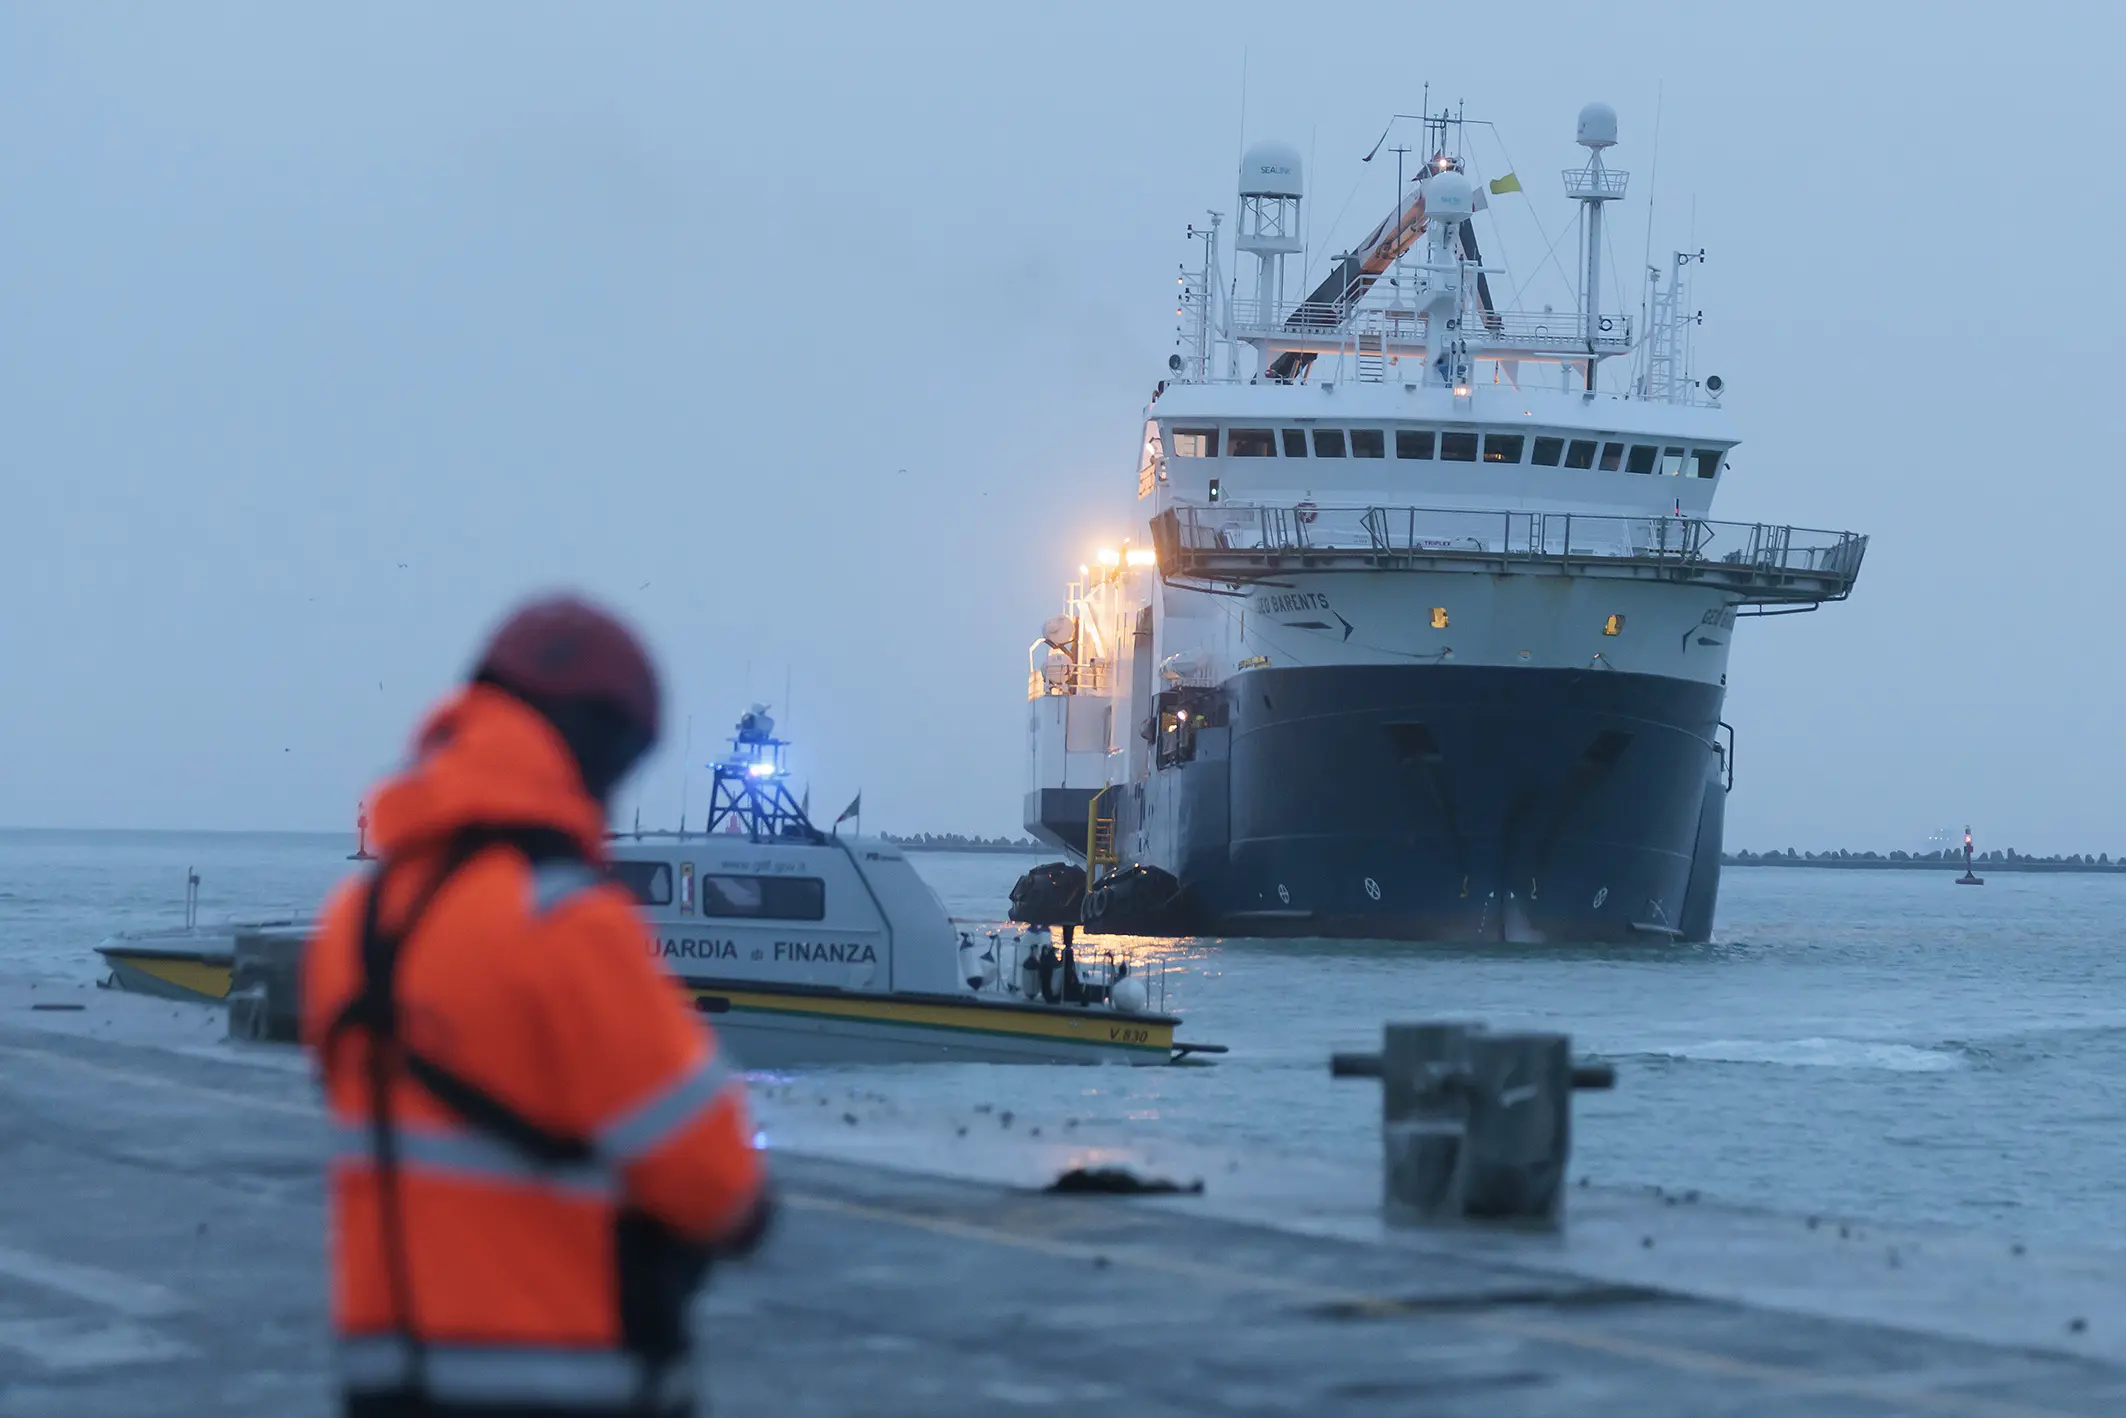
(161, 1252)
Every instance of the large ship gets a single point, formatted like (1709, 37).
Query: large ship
(1422, 629)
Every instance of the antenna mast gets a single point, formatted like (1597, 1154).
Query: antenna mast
(1592, 186)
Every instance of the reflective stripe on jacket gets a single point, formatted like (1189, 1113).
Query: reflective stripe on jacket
(534, 983)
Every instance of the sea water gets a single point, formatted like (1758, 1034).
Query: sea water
(1874, 1044)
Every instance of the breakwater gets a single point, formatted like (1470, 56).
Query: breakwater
(2008, 860)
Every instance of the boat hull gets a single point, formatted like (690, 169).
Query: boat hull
(785, 1029)
(1467, 804)
(801, 1026)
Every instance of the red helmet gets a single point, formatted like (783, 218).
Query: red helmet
(563, 649)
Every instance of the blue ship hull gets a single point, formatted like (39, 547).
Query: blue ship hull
(1451, 803)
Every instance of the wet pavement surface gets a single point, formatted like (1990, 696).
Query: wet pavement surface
(161, 1250)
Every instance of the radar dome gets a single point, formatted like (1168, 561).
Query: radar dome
(1598, 126)
(1270, 170)
(1450, 196)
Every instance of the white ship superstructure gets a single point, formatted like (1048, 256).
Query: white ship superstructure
(1423, 627)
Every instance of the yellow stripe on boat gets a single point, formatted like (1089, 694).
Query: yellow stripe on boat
(205, 978)
(1095, 1027)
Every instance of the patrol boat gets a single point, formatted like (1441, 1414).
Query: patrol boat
(808, 947)
(1422, 628)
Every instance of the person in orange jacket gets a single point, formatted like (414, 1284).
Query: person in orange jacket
(537, 1146)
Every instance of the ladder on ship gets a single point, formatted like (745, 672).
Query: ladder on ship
(1372, 356)
(1099, 839)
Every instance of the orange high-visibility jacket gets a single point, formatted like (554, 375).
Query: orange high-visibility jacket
(527, 975)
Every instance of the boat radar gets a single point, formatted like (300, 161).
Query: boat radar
(750, 792)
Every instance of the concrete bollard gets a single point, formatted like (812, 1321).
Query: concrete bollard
(265, 1001)
(1474, 1125)
(1520, 1126)
(1424, 1122)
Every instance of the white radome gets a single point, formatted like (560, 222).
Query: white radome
(1271, 170)
(1449, 196)
(1598, 126)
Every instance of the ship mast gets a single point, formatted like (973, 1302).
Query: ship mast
(1593, 185)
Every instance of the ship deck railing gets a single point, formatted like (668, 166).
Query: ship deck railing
(1239, 544)
(1045, 677)
(1328, 325)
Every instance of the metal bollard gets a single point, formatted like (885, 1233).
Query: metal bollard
(264, 996)
(1474, 1125)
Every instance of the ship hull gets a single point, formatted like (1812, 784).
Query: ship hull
(1466, 804)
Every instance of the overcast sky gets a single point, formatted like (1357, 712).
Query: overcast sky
(815, 341)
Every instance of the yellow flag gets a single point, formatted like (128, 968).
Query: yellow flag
(1500, 186)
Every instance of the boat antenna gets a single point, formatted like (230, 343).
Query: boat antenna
(686, 774)
(1653, 185)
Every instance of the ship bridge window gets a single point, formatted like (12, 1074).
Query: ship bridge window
(1503, 447)
(766, 898)
(650, 883)
(1195, 443)
(1612, 457)
(1413, 443)
(1708, 460)
(1295, 442)
(1249, 443)
(1328, 443)
(1642, 458)
(1580, 454)
(1672, 462)
(1547, 452)
(1368, 443)
(1458, 447)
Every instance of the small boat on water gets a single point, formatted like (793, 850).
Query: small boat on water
(806, 947)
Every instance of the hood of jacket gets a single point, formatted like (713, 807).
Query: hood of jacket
(484, 758)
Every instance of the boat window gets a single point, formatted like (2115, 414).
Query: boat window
(1439, 617)
(1642, 458)
(1413, 443)
(1672, 462)
(1581, 454)
(1195, 443)
(1368, 443)
(1613, 626)
(1548, 451)
(1328, 443)
(772, 898)
(1295, 442)
(1612, 457)
(1708, 461)
(1503, 447)
(1458, 447)
(650, 883)
(1249, 443)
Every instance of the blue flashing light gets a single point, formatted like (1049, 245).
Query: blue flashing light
(760, 770)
